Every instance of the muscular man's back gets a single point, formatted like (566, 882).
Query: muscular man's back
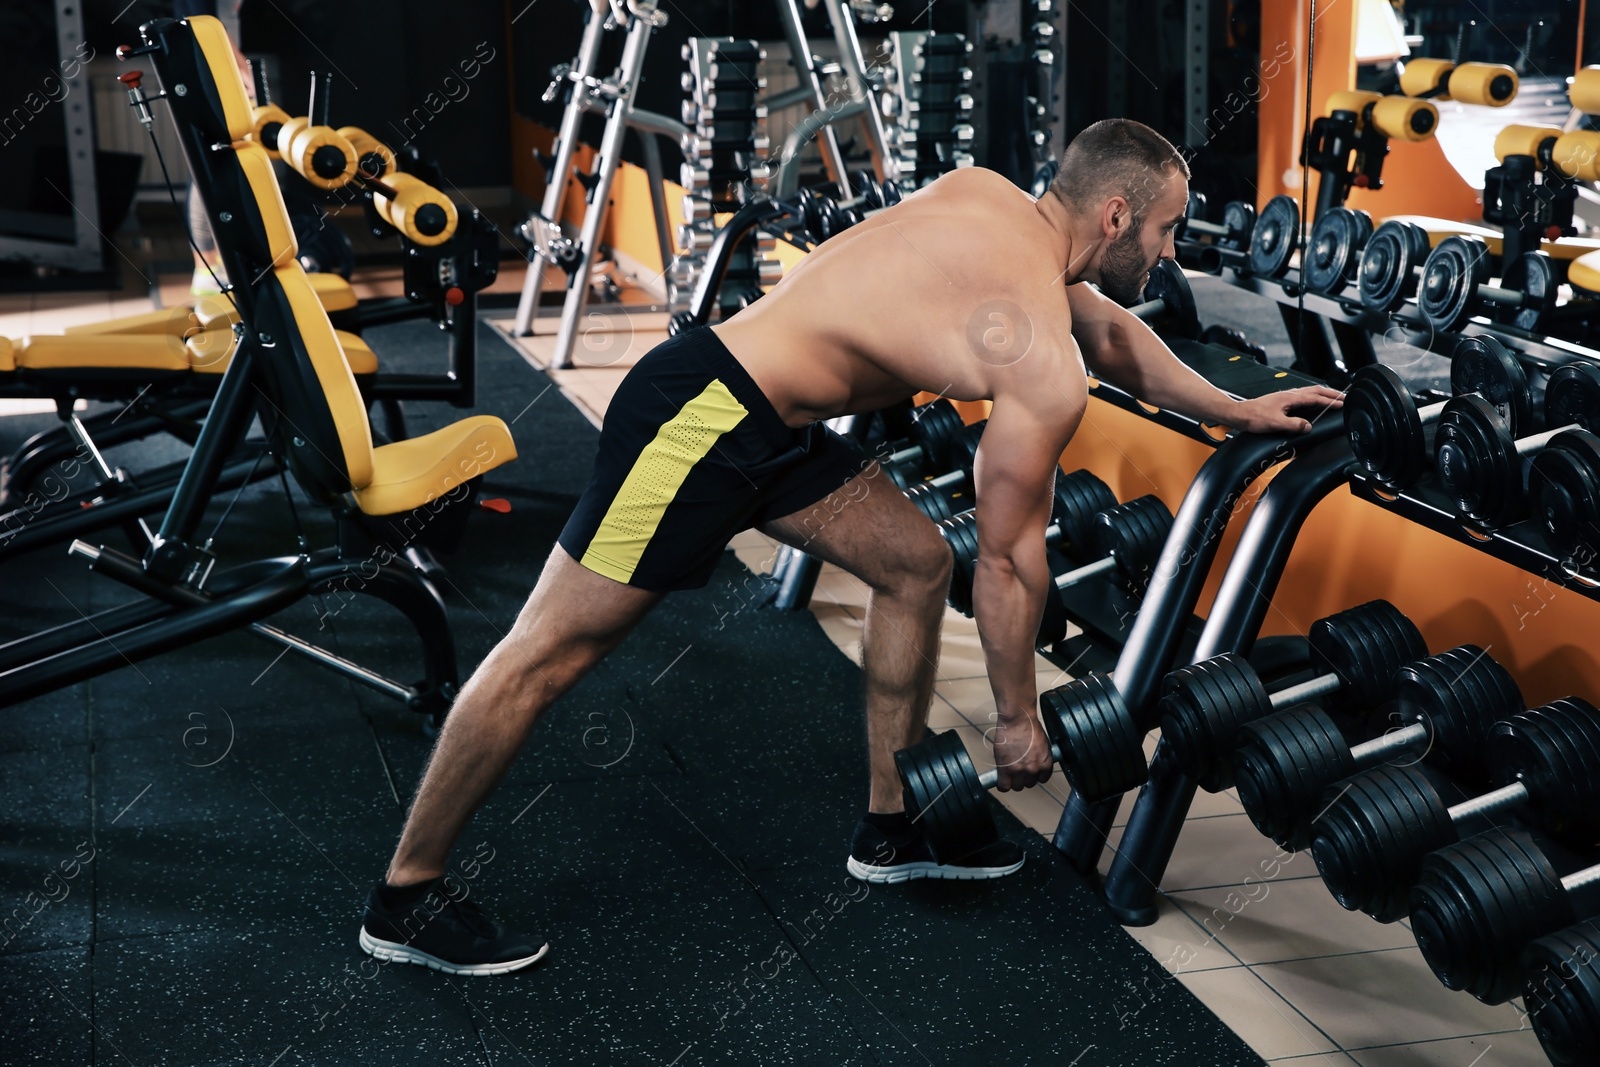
(962, 278)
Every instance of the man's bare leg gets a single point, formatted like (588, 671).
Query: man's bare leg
(871, 530)
(572, 619)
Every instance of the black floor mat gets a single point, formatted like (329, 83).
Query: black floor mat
(187, 842)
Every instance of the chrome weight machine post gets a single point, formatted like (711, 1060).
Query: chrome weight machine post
(579, 77)
(643, 18)
(854, 66)
(805, 65)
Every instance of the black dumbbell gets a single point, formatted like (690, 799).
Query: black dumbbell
(1238, 223)
(1444, 706)
(1390, 436)
(1370, 841)
(1334, 249)
(1275, 238)
(1564, 491)
(1124, 538)
(1102, 744)
(1357, 653)
(1454, 286)
(948, 494)
(1078, 498)
(944, 795)
(935, 427)
(1391, 264)
(1483, 464)
(1561, 992)
(1168, 301)
(1480, 902)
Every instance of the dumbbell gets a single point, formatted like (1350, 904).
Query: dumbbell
(1479, 903)
(1124, 538)
(949, 494)
(1168, 301)
(1370, 842)
(1454, 286)
(1481, 462)
(1564, 491)
(1275, 237)
(1078, 498)
(1561, 992)
(1238, 223)
(1391, 264)
(1445, 704)
(945, 795)
(1334, 249)
(934, 427)
(1357, 653)
(1390, 436)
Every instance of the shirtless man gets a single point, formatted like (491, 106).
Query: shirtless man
(969, 289)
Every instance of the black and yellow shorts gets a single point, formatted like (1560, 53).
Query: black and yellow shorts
(692, 453)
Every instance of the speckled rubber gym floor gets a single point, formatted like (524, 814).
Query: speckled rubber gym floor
(677, 827)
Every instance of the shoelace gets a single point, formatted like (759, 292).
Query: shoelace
(471, 916)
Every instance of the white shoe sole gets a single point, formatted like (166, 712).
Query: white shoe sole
(390, 952)
(910, 872)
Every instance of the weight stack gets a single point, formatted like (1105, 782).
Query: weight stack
(724, 163)
(928, 101)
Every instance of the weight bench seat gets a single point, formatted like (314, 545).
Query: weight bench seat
(409, 474)
(1568, 248)
(1584, 272)
(204, 351)
(335, 293)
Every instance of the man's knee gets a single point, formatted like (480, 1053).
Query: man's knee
(923, 561)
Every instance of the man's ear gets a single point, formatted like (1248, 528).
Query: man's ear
(1116, 217)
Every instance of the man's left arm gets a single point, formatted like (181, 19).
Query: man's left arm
(1122, 350)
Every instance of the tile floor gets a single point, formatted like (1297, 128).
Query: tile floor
(1304, 982)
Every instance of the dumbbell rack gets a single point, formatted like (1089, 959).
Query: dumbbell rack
(926, 94)
(612, 97)
(724, 163)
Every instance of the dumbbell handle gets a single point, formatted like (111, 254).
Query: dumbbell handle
(1369, 753)
(1430, 414)
(1581, 879)
(1085, 572)
(1539, 440)
(1214, 229)
(1493, 294)
(989, 778)
(1507, 796)
(1307, 690)
(1147, 309)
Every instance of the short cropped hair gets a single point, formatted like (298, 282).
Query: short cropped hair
(1116, 157)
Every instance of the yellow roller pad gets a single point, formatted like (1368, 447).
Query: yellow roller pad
(412, 194)
(1405, 119)
(315, 144)
(1352, 100)
(1585, 91)
(262, 117)
(288, 131)
(8, 359)
(1423, 76)
(1484, 84)
(1584, 272)
(1577, 154)
(367, 145)
(1521, 140)
(1568, 248)
(412, 474)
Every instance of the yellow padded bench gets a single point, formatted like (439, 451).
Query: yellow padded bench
(204, 351)
(1568, 248)
(335, 293)
(1584, 272)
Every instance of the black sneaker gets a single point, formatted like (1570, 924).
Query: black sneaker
(875, 858)
(449, 935)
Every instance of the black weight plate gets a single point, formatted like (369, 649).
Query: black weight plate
(1448, 293)
(1572, 397)
(1482, 365)
(1476, 460)
(962, 451)
(1101, 747)
(864, 184)
(1561, 992)
(1554, 751)
(1372, 835)
(1564, 490)
(1240, 219)
(1386, 433)
(933, 426)
(1079, 497)
(1196, 207)
(1387, 274)
(1458, 695)
(1202, 708)
(889, 192)
(1275, 238)
(962, 534)
(1332, 251)
(1533, 274)
(1168, 285)
(1282, 765)
(1365, 646)
(1132, 533)
(1478, 903)
(1421, 243)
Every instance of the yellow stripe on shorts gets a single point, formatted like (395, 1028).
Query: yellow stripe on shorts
(655, 479)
